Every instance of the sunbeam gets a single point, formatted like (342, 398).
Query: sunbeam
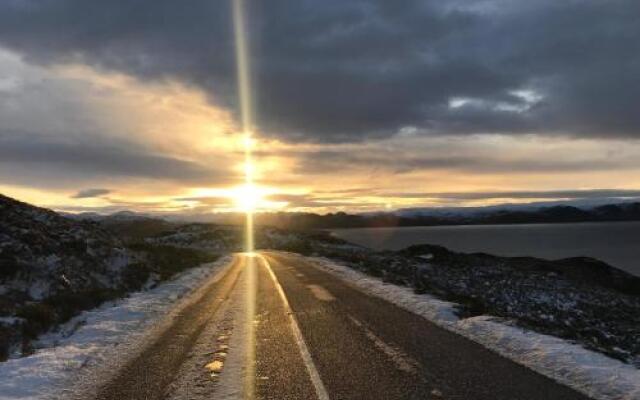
(249, 196)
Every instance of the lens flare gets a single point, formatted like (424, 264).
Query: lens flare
(248, 196)
(249, 199)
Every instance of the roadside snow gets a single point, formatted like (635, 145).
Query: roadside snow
(591, 373)
(91, 337)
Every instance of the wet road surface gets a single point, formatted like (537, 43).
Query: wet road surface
(276, 327)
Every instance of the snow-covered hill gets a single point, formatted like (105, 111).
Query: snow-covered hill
(52, 267)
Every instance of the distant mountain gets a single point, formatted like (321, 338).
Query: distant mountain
(507, 214)
(583, 204)
(124, 215)
(133, 224)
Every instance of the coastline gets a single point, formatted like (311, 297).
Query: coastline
(611, 242)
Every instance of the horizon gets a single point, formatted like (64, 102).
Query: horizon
(211, 216)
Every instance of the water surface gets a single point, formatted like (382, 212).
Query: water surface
(616, 243)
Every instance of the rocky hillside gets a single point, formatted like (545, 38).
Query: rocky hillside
(43, 253)
(53, 267)
(209, 237)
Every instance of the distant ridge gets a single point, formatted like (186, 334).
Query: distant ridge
(527, 213)
(508, 214)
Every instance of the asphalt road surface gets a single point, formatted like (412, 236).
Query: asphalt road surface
(276, 327)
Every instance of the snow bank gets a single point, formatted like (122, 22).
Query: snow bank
(591, 373)
(90, 338)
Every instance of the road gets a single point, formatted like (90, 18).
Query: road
(277, 327)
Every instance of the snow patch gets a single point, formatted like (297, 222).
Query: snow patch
(591, 373)
(91, 337)
(9, 320)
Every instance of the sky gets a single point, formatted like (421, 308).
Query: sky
(359, 106)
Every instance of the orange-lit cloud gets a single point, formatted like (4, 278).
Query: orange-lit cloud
(81, 139)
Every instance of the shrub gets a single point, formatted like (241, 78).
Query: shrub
(9, 265)
(135, 276)
(68, 304)
(5, 342)
(167, 261)
(39, 317)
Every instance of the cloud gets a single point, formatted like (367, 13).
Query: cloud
(362, 99)
(374, 198)
(69, 127)
(89, 193)
(216, 201)
(27, 158)
(381, 159)
(311, 201)
(543, 194)
(331, 71)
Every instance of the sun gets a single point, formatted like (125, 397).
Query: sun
(248, 197)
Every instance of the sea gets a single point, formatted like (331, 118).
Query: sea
(616, 243)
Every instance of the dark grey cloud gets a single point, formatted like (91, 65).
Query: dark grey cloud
(361, 200)
(544, 194)
(88, 193)
(27, 158)
(320, 199)
(113, 206)
(347, 71)
(393, 160)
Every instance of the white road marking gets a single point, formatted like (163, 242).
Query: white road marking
(402, 361)
(321, 391)
(321, 293)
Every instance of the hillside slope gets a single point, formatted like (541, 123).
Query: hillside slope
(52, 267)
